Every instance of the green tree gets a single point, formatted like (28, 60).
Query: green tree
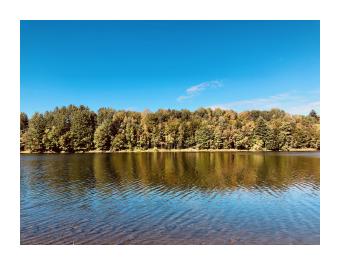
(105, 114)
(103, 135)
(65, 142)
(118, 142)
(83, 122)
(218, 138)
(35, 133)
(243, 137)
(51, 140)
(276, 137)
(204, 136)
(181, 138)
(300, 137)
(170, 132)
(130, 132)
(261, 132)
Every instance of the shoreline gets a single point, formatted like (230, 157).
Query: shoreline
(170, 151)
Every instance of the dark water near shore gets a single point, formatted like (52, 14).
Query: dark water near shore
(170, 198)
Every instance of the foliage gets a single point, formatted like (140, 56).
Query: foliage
(118, 143)
(261, 132)
(35, 133)
(83, 123)
(23, 121)
(103, 135)
(77, 129)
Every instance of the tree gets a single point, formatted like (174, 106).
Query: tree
(181, 138)
(105, 114)
(23, 141)
(218, 138)
(51, 140)
(103, 135)
(23, 130)
(276, 137)
(204, 136)
(313, 114)
(58, 125)
(76, 129)
(118, 142)
(65, 142)
(301, 137)
(83, 122)
(130, 132)
(170, 132)
(243, 137)
(261, 132)
(35, 133)
(23, 121)
(143, 141)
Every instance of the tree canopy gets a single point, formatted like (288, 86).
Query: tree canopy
(77, 129)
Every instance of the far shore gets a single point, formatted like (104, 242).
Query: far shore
(189, 150)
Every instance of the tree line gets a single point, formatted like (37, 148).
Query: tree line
(79, 129)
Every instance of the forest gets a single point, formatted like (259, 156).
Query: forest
(79, 129)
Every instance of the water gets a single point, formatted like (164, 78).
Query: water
(170, 198)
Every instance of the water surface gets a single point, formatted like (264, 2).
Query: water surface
(170, 198)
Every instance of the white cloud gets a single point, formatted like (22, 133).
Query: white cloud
(197, 89)
(291, 102)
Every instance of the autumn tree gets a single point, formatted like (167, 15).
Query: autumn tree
(78, 129)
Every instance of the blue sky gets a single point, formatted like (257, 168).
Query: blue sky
(141, 65)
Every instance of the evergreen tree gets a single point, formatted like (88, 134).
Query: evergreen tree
(103, 135)
(261, 131)
(82, 129)
(313, 114)
(35, 133)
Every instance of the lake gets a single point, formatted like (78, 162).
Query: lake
(170, 198)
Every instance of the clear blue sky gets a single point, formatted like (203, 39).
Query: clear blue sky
(141, 65)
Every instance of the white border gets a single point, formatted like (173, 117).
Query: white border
(10, 15)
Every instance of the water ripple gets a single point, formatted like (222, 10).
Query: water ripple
(184, 198)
